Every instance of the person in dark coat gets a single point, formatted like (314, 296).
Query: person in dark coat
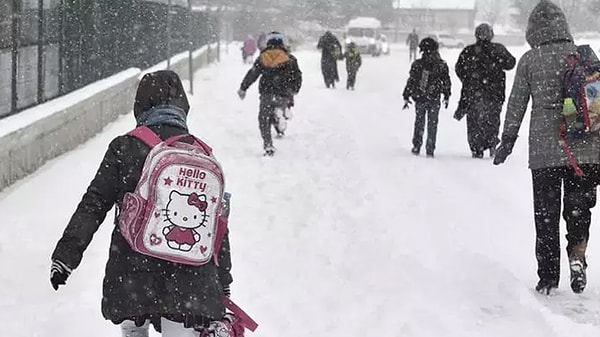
(280, 81)
(412, 41)
(353, 63)
(331, 51)
(540, 77)
(429, 80)
(481, 67)
(137, 288)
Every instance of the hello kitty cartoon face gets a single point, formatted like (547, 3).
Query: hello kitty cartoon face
(186, 211)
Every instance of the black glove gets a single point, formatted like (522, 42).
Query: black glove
(59, 272)
(227, 290)
(504, 149)
(407, 103)
(446, 102)
(459, 114)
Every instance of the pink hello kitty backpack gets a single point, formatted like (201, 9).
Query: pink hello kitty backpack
(174, 212)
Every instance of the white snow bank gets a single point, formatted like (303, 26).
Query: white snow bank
(29, 116)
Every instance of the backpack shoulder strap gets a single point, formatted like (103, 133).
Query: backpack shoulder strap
(146, 135)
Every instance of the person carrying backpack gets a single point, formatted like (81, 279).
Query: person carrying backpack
(142, 288)
(331, 52)
(353, 63)
(540, 75)
(429, 80)
(280, 81)
(481, 68)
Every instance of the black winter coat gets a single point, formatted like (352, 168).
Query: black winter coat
(481, 68)
(139, 287)
(353, 60)
(429, 79)
(278, 71)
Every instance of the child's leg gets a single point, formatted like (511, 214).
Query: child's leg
(433, 112)
(419, 125)
(173, 329)
(128, 329)
(265, 120)
(352, 79)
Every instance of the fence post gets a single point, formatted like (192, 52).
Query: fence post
(41, 76)
(191, 46)
(15, 38)
(169, 34)
(61, 46)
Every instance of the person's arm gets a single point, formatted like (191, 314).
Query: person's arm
(252, 75)
(518, 101)
(100, 197)
(446, 83)
(507, 60)
(295, 76)
(411, 83)
(461, 68)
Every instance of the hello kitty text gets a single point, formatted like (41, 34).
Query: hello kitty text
(192, 178)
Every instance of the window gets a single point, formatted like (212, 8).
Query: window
(361, 32)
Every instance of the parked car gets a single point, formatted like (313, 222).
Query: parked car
(447, 40)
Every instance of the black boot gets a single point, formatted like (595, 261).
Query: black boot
(546, 287)
(578, 276)
(477, 154)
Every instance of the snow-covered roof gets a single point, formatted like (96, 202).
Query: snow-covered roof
(364, 22)
(435, 4)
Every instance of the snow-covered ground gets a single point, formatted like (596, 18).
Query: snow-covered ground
(342, 233)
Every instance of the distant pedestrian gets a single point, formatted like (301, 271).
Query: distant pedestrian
(412, 41)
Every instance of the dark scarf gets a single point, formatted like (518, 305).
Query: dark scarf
(163, 115)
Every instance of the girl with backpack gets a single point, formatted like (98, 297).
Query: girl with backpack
(177, 299)
(540, 76)
(429, 81)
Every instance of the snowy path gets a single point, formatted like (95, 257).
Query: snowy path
(342, 233)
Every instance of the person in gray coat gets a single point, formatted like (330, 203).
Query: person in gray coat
(540, 76)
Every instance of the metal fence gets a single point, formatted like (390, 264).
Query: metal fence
(51, 47)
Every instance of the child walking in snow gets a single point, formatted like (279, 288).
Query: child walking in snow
(353, 63)
(280, 80)
(138, 289)
(429, 79)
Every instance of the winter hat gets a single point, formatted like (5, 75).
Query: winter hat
(275, 39)
(428, 45)
(162, 87)
(484, 32)
(547, 23)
